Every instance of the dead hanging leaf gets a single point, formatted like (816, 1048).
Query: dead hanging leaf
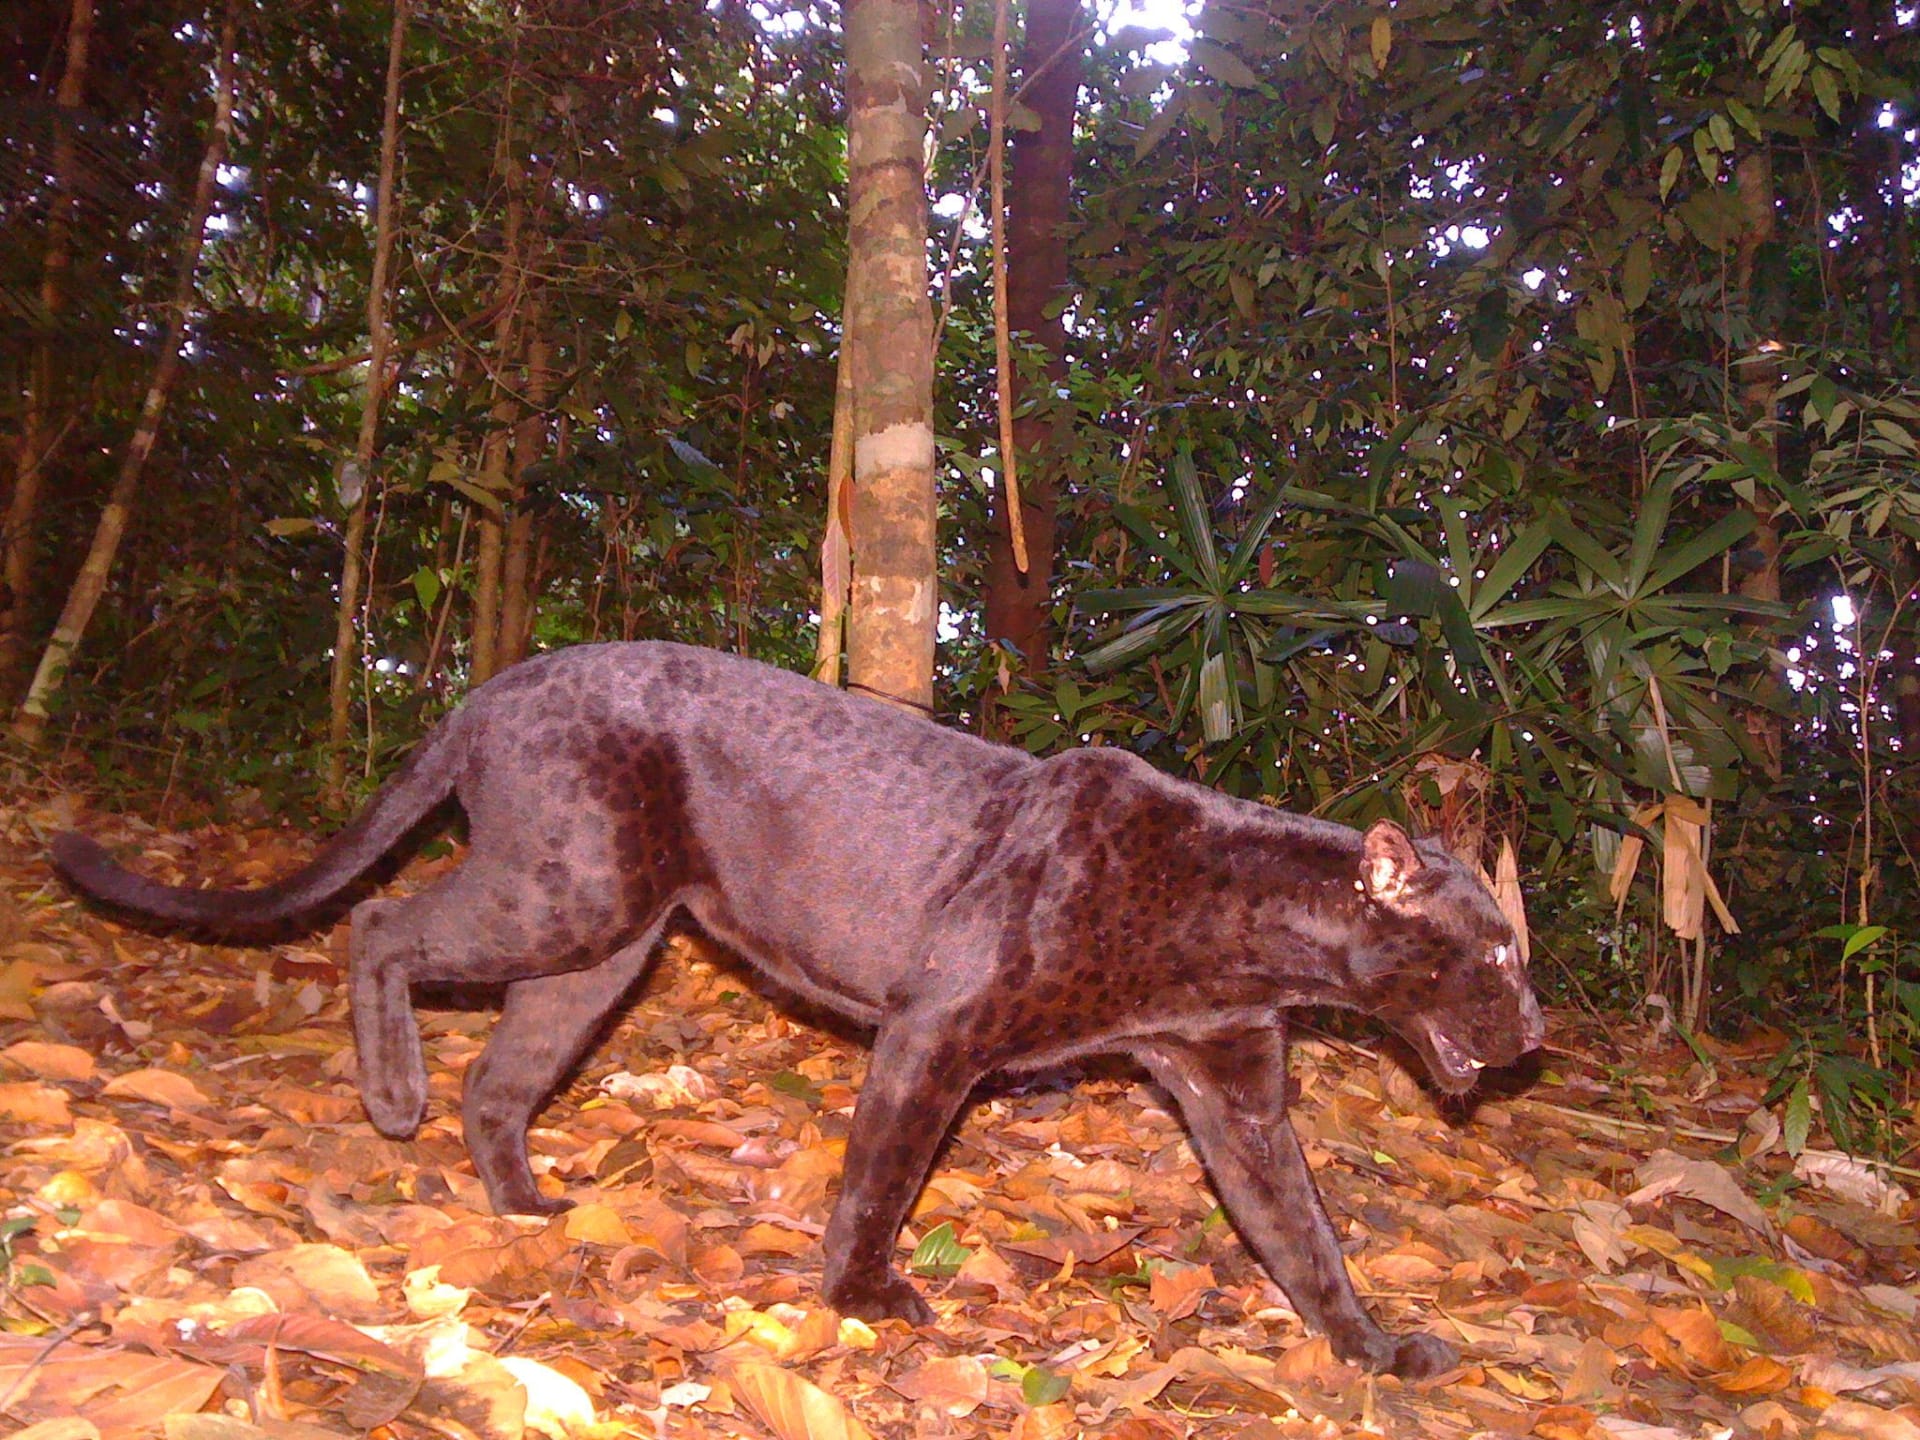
(1670, 1173)
(956, 1385)
(157, 1087)
(1506, 894)
(793, 1408)
(45, 1060)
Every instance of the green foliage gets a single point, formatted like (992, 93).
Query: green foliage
(1447, 387)
(939, 1253)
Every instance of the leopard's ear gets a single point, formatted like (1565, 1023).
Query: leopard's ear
(1388, 862)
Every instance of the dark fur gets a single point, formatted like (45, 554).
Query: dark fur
(984, 911)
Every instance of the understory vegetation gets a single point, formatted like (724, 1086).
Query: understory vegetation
(1499, 417)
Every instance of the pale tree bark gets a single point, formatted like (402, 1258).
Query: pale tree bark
(346, 635)
(836, 554)
(91, 583)
(889, 340)
(40, 432)
(1019, 605)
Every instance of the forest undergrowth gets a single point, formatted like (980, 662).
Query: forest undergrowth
(204, 1237)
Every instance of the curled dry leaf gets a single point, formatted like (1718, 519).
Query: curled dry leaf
(793, 1408)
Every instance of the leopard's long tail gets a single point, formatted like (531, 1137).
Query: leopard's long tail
(415, 791)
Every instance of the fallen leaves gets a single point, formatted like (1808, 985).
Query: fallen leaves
(204, 1239)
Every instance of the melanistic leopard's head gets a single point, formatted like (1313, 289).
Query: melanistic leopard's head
(1438, 962)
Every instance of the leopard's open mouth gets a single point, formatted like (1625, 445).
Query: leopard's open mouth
(1453, 1067)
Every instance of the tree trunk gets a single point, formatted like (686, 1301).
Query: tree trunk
(529, 448)
(1758, 378)
(39, 434)
(494, 478)
(1869, 202)
(346, 648)
(895, 598)
(1019, 606)
(91, 582)
(836, 557)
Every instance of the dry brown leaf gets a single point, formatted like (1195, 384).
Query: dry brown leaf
(148, 1387)
(1047, 1422)
(325, 1277)
(956, 1385)
(40, 1107)
(154, 1086)
(1668, 1173)
(1591, 1379)
(1697, 1332)
(45, 1060)
(1176, 1290)
(596, 1223)
(1756, 1375)
(792, 1407)
(1857, 1421)
(68, 1428)
(324, 1339)
(1567, 1422)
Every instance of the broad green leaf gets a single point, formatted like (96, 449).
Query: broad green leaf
(939, 1253)
(1588, 551)
(1826, 89)
(1511, 566)
(1670, 170)
(1704, 154)
(1861, 939)
(1041, 1386)
(1196, 524)
(1799, 1120)
(1380, 40)
(1138, 643)
(1649, 529)
(1223, 65)
(1636, 274)
(1724, 533)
